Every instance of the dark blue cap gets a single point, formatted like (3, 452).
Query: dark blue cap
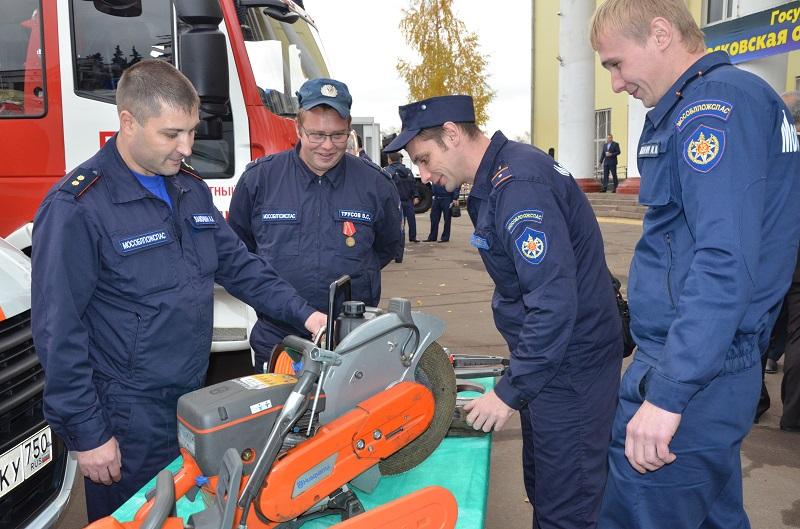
(431, 113)
(331, 92)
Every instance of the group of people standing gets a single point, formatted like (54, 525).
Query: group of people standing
(128, 245)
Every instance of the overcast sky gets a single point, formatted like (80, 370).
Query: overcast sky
(364, 43)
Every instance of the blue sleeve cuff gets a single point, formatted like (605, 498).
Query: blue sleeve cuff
(509, 394)
(668, 394)
(87, 435)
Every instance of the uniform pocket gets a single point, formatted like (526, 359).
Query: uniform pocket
(279, 232)
(144, 261)
(655, 167)
(205, 244)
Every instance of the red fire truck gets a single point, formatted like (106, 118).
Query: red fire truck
(60, 61)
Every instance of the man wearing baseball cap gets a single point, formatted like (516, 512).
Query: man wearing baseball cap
(553, 302)
(317, 213)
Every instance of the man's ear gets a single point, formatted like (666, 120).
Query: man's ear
(452, 134)
(662, 32)
(127, 123)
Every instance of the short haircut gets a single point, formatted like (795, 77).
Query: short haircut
(792, 100)
(395, 156)
(469, 128)
(150, 85)
(631, 19)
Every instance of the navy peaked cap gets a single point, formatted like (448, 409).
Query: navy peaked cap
(331, 92)
(431, 113)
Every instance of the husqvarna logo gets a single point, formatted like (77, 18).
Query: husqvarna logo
(313, 476)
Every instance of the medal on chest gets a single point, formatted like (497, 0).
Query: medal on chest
(349, 229)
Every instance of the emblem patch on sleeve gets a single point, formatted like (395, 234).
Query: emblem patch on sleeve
(532, 245)
(704, 148)
(527, 215)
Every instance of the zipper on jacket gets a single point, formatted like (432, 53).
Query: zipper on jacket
(669, 269)
(132, 359)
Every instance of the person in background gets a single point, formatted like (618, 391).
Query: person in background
(609, 160)
(126, 250)
(407, 189)
(316, 212)
(720, 172)
(443, 200)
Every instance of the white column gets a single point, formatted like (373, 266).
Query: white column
(636, 116)
(771, 69)
(576, 89)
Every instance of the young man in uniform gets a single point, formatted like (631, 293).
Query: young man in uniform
(126, 250)
(719, 163)
(316, 212)
(540, 243)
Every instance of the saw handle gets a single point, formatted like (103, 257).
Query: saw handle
(333, 289)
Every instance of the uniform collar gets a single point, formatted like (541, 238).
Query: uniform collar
(334, 175)
(487, 168)
(122, 184)
(705, 64)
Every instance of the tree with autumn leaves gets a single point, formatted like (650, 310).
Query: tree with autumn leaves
(451, 61)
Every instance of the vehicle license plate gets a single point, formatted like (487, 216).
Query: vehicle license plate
(25, 460)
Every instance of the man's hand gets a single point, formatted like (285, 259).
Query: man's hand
(102, 464)
(416, 200)
(315, 322)
(488, 412)
(647, 438)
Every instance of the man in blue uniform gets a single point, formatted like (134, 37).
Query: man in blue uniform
(541, 244)
(719, 163)
(126, 249)
(443, 200)
(407, 189)
(316, 212)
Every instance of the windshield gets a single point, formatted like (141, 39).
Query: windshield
(283, 57)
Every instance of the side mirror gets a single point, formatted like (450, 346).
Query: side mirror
(203, 53)
(119, 8)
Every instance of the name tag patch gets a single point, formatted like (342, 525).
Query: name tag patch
(714, 108)
(527, 215)
(649, 150)
(203, 220)
(284, 216)
(479, 242)
(143, 241)
(355, 215)
(532, 245)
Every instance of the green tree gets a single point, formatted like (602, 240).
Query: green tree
(451, 61)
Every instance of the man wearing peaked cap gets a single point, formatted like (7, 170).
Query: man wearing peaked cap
(317, 213)
(540, 242)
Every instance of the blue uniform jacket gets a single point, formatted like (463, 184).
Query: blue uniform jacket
(539, 240)
(403, 180)
(289, 215)
(719, 164)
(123, 290)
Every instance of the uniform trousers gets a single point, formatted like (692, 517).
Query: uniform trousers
(702, 488)
(790, 385)
(146, 429)
(440, 207)
(566, 431)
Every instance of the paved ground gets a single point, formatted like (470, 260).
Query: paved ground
(448, 280)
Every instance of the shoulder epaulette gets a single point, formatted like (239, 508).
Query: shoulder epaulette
(502, 175)
(258, 161)
(188, 169)
(79, 181)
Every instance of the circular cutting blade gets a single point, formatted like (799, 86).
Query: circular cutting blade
(435, 372)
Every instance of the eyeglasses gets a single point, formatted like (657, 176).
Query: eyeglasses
(337, 138)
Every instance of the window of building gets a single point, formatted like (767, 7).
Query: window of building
(717, 10)
(797, 83)
(22, 87)
(602, 128)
